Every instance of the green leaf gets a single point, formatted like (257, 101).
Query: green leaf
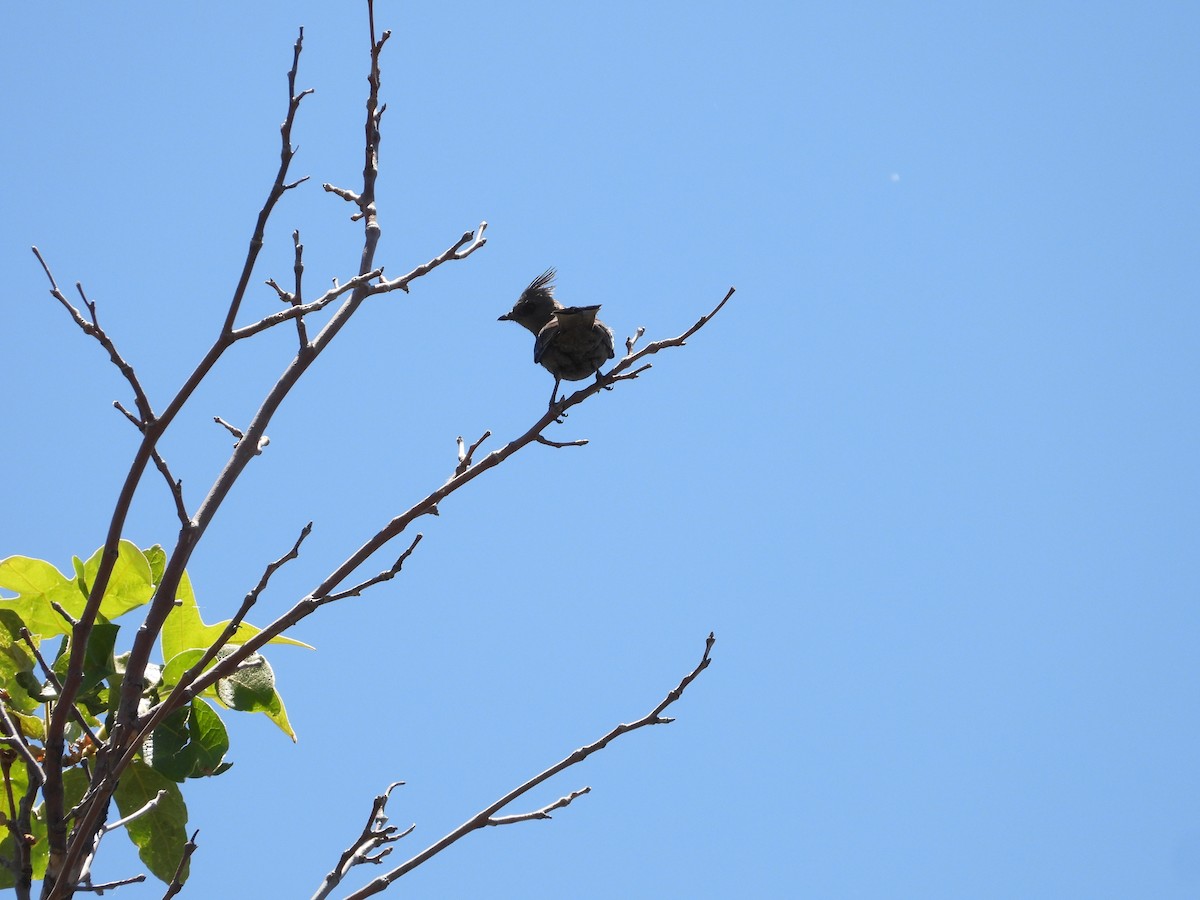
(39, 853)
(39, 691)
(185, 630)
(16, 662)
(156, 556)
(210, 740)
(251, 688)
(167, 747)
(131, 584)
(190, 743)
(178, 664)
(18, 781)
(160, 834)
(38, 584)
(32, 726)
(97, 657)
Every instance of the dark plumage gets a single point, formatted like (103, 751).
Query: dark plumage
(569, 341)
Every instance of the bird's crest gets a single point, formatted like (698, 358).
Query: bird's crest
(543, 284)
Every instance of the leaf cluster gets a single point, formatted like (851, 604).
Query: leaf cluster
(190, 742)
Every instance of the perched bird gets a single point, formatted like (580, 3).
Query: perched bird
(571, 343)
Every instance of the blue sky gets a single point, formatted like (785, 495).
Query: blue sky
(930, 476)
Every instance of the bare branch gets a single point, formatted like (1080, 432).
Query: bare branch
(348, 196)
(174, 485)
(543, 813)
(487, 816)
(298, 295)
(386, 575)
(62, 611)
(93, 329)
(631, 342)
(176, 884)
(136, 814)
(137, 423)
(239, 435)
(376, 833)
(655, 346)
(109, 885)
(278, 189)
(471, 240)
(465, 454)
(304, 309)
(582, 442)
(85, 872)
(283, 295)
(454, 252)
(271, 568)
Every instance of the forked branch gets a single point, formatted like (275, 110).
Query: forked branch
(486, 817)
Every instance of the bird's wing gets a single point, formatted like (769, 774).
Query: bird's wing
(576, 316)
(544, 339)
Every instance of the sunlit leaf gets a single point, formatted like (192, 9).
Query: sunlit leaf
(160, 834)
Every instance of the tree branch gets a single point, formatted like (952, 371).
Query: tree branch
(487, 817)
(93, 329)
(375, 834)
(176, 884)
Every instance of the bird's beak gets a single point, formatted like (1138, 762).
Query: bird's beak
(504, 318)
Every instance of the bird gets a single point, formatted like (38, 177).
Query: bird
(569, 341)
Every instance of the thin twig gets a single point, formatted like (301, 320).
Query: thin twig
(581, 442)
(303, 309)
(465, 453)
(471, 240)
(146, 807)
(543, 813)
(176, 884)
(109, 885)
(237, 433)
(174, 485)
(631, 342)
(53, 679)
(93, 329)
(298, 295)
(137, 423)
(105, 828)
(386, 575)
(62, 611)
